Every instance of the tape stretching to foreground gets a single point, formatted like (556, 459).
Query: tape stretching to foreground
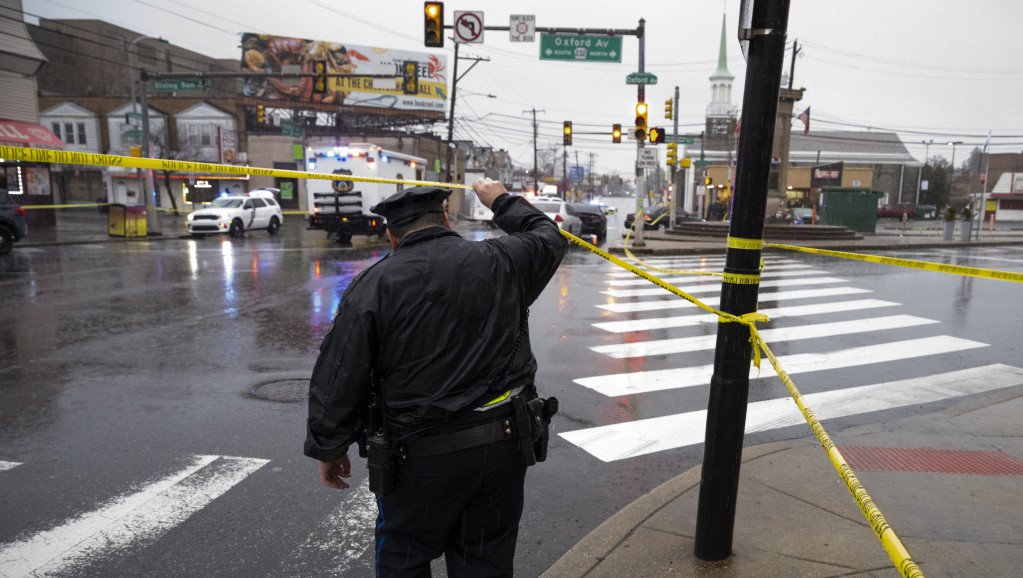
(892, 545)
(75, 158)
(882, 529)
(922, 265)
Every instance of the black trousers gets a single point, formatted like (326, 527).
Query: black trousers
(465, 505)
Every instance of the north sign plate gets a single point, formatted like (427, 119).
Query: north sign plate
(580, 47)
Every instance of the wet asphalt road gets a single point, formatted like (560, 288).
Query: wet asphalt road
(122, 365)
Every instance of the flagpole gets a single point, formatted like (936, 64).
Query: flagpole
(983, 194)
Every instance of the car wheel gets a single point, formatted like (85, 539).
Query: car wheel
(6, 241)
(274, 227)
(237, 229)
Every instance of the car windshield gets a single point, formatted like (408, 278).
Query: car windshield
(227, 202)
(549, 207)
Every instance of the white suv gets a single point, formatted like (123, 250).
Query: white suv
(235, 214)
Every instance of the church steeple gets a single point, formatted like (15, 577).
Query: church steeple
(721, 82)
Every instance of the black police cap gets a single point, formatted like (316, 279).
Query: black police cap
(409, 204)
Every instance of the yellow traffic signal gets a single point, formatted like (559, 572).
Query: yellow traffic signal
(685, 163)
(641, 111)
(410, 77)
(434, 25)
(656, 135)
(567, 133)
(319, 77)
(672, 152)
(669, 107)
(260, 117)
(708, 181)
(616, 133)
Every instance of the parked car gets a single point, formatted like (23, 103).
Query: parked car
(13, 226)
(802, 215)
(658, 218)
(896, 210)
(607, 209)
(593, 220)
(563, 214)
(235, 214)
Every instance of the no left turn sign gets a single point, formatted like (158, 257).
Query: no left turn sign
(468, 26)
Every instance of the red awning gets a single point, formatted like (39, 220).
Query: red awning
(26, 134)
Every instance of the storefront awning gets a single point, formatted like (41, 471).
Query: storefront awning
(26, 134)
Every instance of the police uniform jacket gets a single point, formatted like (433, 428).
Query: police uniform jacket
(435, 323)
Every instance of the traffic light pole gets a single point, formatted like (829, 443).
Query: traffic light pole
(729, 386)
(638, 222)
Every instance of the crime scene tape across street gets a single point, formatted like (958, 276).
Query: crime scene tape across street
(882, 529)
(76, 158)
(922, 265)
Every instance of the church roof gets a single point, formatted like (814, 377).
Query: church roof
(825, 147)
(722, 71)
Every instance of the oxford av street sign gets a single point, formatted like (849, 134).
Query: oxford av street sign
(581, 47)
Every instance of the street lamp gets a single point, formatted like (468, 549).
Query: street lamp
(920, 173)
(958, 142)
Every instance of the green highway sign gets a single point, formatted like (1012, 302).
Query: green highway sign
(179, 85)
(580, 47)
(290, 129)
(641, 78)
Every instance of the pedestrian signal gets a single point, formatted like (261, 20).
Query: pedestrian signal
(434, 25)
(672, 151)
(669, 106)
(616, 133)
(319, 77)
(708, 181)
(656, 135)
(567, 133)
(641, 111)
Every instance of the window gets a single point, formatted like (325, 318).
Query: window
(257, 203)
(56, 129)
(81, 133)
(205, 134)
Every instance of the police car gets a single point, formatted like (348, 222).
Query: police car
(235, 214)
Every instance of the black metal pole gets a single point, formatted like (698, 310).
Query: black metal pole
(729, 386)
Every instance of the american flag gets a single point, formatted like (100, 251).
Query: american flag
(805, 117)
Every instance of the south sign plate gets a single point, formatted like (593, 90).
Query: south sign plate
(584, 48)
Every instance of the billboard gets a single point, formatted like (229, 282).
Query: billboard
(264, 53)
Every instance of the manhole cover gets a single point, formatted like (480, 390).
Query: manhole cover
(284, 390)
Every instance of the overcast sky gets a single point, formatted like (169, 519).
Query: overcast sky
(927, 69)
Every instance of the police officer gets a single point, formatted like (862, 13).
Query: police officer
(430, 350)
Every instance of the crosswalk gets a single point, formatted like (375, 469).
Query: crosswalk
(653, 323)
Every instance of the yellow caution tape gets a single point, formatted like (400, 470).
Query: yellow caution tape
(76, 158)
(892, 545)
(744, 244)
(922, 265)
(741, 279)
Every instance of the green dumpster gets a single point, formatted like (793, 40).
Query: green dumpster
(850, 207)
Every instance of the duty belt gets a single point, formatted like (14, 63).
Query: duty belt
(452, 440)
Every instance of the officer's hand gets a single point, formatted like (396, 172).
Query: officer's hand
(332, 472)
(487, 190)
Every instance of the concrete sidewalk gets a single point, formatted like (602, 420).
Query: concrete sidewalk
(795, 517)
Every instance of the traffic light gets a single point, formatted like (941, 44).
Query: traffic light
(410, 77)
(616, 133)
(656, 135)
(672, 151)
(567, 133)
(260, 117)
(434, 25)
(669, 106)
(708, 181)
(319, 77)
(640, 133)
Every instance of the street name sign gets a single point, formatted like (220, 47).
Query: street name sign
(686, 140)
(178, 85)
(641, 78)
(290, 129)
(579, 47)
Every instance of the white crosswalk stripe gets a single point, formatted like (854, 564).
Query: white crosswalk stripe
(8, 465)
(702, 342)
(653, 309)
(131, 521)
(635, 438)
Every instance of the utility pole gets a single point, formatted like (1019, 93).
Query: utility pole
(536, 189)
(449, 155)
(792, 67)
(729, 386)
(638, 221)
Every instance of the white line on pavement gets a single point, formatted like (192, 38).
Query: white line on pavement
(710, 287)
(677, 378)
(673, 302)
(8, 465)
(635, 438)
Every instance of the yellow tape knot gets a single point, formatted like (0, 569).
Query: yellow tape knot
(749, 320)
